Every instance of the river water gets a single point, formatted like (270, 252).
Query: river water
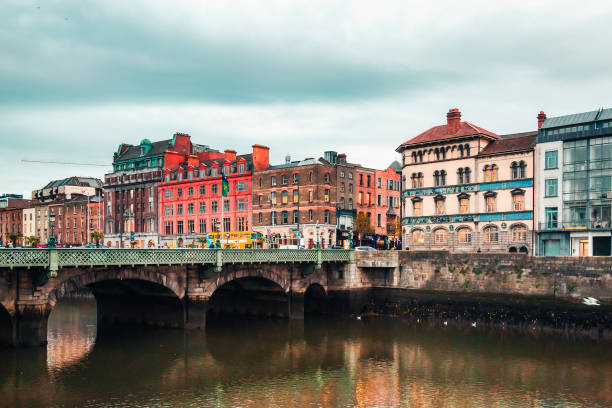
(314, 363)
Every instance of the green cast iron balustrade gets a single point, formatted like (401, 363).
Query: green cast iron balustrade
(57, 258)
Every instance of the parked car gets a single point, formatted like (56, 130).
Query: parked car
(364, 248)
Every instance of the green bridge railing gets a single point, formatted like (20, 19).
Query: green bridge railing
(53, 259)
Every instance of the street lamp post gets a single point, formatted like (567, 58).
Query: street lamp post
(318, 227)
(52, 241)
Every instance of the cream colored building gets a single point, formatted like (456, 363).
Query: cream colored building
(466, 189)
(29, 223)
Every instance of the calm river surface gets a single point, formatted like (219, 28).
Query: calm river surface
(326, 363)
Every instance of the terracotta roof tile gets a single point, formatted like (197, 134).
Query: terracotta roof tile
(438, 133)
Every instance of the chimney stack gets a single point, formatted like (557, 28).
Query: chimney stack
(230, 155)
(261, 157)
(453, 120)
(541, 119)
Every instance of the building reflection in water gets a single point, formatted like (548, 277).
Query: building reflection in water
(71, 332)
(250, 363)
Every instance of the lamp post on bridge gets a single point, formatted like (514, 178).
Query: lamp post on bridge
(318, 227)
(52, 241)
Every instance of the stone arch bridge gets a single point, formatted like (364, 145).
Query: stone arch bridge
(163, 287)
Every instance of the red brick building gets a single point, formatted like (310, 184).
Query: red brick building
(369, 191)
(11, 216)
(295, 203)
(190, 196)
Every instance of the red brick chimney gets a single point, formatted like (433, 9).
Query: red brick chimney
(261, 157)
(541, 119)
(453, 121)
(230, 155)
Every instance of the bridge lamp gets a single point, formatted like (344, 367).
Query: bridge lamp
(318, 227)
(52, 241)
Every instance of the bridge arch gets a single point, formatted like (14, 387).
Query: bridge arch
(227, 276)
(315, 299)
(132, 295)
(89, 278)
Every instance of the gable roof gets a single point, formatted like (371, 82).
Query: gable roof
(440, 133)
(516, 142)
(133, 152)
(75, 181)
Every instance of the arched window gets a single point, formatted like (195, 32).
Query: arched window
(310, 177)
(414, 157)
(413, 178)
(460, 150)
(460, 176)
(491, 234)
(522, 169)
(436, 178)
(487, 173)
(443, 178)
(514, 168)
(418, 236)
(466, 150)
(440, 236)
(494, 172)
(327, 178)
(464, 235)
(519, 233)
(444, 154)
(437, 153)
(420, 180)
(466, 175)
(420, 157)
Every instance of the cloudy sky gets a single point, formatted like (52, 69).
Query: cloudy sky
(77, 78)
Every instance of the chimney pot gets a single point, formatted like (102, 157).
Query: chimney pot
(541, 118)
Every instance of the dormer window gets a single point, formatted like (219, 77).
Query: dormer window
(213, 172)
(241, 168)
(226, 170)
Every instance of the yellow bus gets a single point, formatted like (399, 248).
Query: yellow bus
(235, 239)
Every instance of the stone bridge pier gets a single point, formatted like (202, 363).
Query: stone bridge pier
(175, 296)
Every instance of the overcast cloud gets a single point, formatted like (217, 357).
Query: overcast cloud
(77, 78)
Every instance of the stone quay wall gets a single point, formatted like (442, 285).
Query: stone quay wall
(511, 290)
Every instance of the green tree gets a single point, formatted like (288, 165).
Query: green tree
(14, 237)
(363, 225)
(33, 241)
(97, 236)
(202, 239)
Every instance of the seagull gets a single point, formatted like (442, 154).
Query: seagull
(358, 317)
(591, 301)
(473, 324)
